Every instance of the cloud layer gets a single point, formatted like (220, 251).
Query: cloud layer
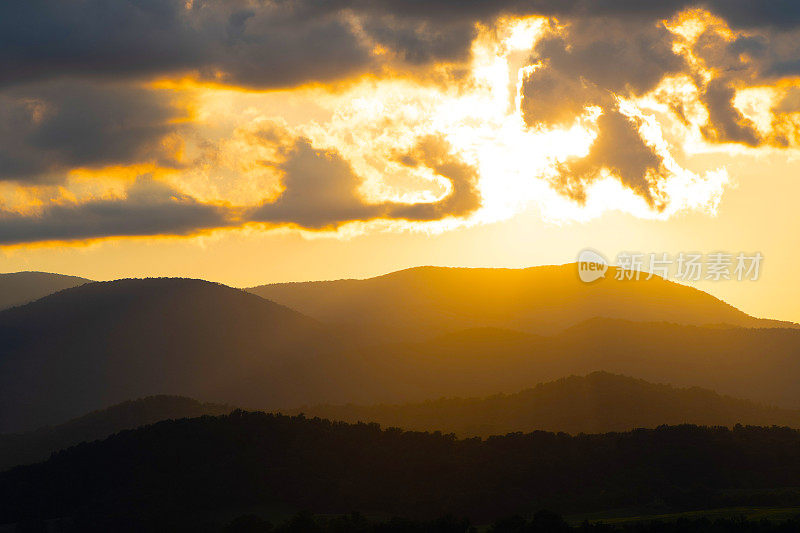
(321, 190)
(81, 87)
(48, 129)
(150, 208)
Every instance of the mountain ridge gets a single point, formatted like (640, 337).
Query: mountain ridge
(420, 302)
(759, 364)
(25, 448)
(223, 345)
(19, 288)
(150, 336)
(598, 402)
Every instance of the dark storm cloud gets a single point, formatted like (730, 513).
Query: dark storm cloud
(554, 98)
(762, 55)
(257, 43)
(265, 44)
(486, 10)
(773, 53)
(750, 14)
(612, 54)
(739, 13)
(587, 64)
(321, 188)
(287, 42)
(757, 59)
(620, 150)
(725, 122)
(151, 208)
(621, 47)
(603, 53)
(590, 60)
(790, 103)
(421, 41)
(71, 73)
(435, 153)
(47, 129)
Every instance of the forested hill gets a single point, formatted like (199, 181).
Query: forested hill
(37, 445)
(256, 460)
(595, 403)
(99, 344)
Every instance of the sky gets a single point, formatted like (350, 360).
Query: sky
(252, 141)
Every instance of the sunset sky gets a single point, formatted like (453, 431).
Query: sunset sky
(251, 141)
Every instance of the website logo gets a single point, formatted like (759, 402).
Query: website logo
(591, 265)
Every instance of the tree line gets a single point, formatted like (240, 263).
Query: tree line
(247, 460)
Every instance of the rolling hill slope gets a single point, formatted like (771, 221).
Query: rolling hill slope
(35, 446)
(18, 288)
(597, 403)
(757, 364)
(423, 302)
(103, 343)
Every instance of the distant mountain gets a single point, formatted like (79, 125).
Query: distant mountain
(18, 288)
(103, 343)
(35, 446)
(757, 364)
(424, 302)
(201, 468)
(597, 403)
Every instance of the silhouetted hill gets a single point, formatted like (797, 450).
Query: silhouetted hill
(19, 288)
(255, 460)
(597, 403)
(103, 343)
(760, 364)
(428, 301)
(35, 446)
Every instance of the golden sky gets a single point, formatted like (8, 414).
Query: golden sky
(250, 142)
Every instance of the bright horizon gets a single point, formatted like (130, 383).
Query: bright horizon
(207, 161)
(481, 150)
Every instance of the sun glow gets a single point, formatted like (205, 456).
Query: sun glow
(481, 120)
(372, 121)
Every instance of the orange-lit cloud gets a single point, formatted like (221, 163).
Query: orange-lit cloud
(149, 208)
(321, 190)
(319, 115)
